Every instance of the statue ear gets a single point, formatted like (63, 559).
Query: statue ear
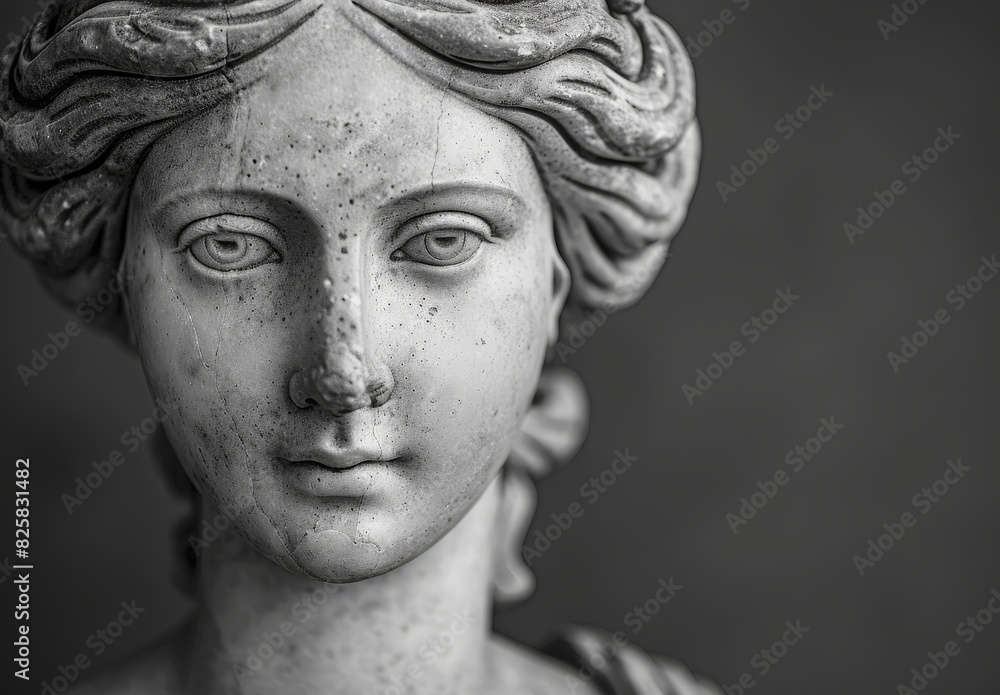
(552, 433)
(512, 580)
(560, 291)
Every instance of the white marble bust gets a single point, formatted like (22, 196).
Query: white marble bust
(351, 233)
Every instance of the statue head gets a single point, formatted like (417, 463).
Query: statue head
(351, 233)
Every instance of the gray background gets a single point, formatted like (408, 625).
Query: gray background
(666, 517)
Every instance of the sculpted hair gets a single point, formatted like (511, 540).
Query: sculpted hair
(604, 98)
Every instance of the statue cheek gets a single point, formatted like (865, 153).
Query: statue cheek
(177, 368)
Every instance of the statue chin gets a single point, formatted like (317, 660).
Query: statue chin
(344, 555)
(332, 556)
(354, 552)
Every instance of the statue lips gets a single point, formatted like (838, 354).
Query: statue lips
(335, 472)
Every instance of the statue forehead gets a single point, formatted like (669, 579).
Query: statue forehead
(333, 105)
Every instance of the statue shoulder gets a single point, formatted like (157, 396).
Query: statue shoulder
(616, 667)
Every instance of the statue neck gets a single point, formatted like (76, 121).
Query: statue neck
(423, 627)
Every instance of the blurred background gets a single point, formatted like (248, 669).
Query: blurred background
(702, 455)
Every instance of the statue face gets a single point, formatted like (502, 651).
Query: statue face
(343, 283)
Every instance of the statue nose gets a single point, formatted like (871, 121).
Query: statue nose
(341, 374)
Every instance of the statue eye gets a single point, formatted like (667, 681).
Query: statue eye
(229, 243)
(228, 251)
(444, 239)
(445, 247)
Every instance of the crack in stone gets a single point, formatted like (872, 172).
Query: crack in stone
(437, 143)
(290, 551)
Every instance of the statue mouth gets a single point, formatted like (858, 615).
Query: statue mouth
(342, 473)
(338, 459)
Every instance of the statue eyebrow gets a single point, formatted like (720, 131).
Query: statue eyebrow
(495, 202)
(218, 201)
(451, 187)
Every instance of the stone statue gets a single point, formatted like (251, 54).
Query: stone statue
(351, 233)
